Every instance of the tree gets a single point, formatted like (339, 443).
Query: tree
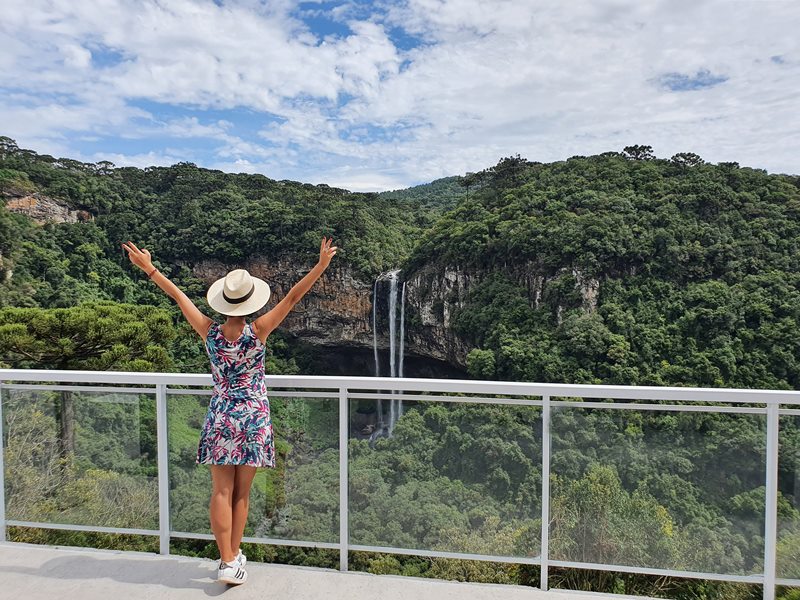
(102, 336)
(506, 173)
(104, 167)
(639, 152)
(480, 364)
(686, 159)
(7, 146)
(15, 182)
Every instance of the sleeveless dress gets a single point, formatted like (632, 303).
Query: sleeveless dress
(238, 426)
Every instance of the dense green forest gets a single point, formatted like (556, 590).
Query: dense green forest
(698, 270)
(695, 268)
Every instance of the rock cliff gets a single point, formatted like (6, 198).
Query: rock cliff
(43, 209)
(432, 296)
(435, 293)
(337, 311)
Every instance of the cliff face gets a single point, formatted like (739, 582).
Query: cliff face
(335, 312)
(43, 209)
(530, 276)
(338, 310)
(434, 294)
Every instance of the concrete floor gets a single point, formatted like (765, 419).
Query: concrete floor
(34, 572)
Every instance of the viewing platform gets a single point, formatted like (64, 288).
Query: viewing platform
(400, 468)
(32, 572)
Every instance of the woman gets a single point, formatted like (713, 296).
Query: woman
(237, 433)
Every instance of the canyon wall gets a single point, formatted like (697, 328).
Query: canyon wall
(337, 311)
(43, 209)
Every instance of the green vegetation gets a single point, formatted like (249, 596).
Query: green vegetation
(620, 268)
(696, 272)
(440, 195)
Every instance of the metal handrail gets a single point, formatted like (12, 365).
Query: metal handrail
(773, 404)
(726, 395)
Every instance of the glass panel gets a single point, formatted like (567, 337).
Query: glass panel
(297, 500)
(450, 476)
(81, 458)
(788, 549)
(659, 489)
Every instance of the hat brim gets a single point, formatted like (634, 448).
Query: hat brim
(259, 298)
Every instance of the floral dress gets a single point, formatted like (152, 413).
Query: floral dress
(238, 427)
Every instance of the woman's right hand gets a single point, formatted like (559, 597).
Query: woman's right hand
(326, 253)
(141, 258)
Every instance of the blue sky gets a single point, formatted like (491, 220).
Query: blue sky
(382, 95)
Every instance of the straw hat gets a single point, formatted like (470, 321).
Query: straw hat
(238, 293)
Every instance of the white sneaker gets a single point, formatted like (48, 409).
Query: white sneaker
(241, 558)
(232, 573)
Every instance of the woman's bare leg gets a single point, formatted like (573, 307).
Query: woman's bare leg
(220, 507)
(241, 503)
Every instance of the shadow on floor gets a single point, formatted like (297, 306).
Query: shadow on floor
(176, 573)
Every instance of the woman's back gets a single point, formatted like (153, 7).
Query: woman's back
(238, 425)
(237, 367)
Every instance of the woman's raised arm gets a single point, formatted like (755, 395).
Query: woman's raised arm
(141, 258)
(264, 324)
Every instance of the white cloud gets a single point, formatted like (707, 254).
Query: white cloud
(25, 116)
(142, 160)
(543, 79)
(362, 180)
(76, 56)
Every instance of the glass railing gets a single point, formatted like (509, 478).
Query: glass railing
(677, 482)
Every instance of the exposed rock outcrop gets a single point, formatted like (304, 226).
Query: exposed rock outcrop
(531, 277)
(337, 311)
(433, 294)
(589, 288)
(43, 209)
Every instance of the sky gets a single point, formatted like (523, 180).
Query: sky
(372, 96)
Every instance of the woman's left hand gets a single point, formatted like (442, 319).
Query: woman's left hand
(141, 258)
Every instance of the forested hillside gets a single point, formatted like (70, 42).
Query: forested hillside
(184, 213)
(442, 194)
(645, 271)
(694, 271)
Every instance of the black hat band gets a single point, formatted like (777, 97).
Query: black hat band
(239, 300)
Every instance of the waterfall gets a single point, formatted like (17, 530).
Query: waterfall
(375, 342)
(392, 320)
(402, 325)
(392, 334)
(402, 335)
(395, 362)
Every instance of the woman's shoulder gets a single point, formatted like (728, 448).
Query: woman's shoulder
(254, 333)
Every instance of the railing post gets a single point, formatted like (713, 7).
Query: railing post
(344, 538)
(163, 465)
(545, 489)
(2, 474)
(771, 508)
